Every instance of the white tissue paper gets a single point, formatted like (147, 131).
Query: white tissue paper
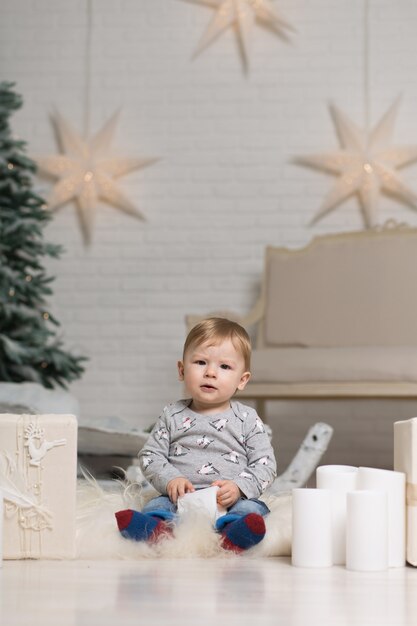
(202, 499)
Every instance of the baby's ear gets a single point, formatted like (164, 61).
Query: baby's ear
(180, 366)
(243, 381)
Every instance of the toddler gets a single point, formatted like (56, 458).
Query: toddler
(208, 440)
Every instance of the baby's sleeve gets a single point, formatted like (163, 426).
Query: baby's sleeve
(261, 467)
(153, 457)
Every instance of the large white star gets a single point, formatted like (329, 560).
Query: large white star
(366, 165)
(86, 173)
(241, 14)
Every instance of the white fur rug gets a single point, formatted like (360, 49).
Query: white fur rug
(98, 536)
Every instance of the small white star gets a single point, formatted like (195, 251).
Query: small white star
(85, 172)
(241, 14)
(366, 166)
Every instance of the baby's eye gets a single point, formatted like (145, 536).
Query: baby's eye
(224, 366)
(200, 362)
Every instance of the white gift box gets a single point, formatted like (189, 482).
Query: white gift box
(38, 473)
(405, 460)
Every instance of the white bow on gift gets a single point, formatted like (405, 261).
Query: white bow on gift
(19, 499)
(37, 453)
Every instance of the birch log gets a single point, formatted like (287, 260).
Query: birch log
(305, 461)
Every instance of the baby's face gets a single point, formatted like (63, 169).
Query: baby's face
(212, 373)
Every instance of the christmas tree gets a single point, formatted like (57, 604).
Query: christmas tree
(29, 347)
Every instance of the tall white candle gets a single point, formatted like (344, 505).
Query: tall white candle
(367, 531)
(393, 483)
(339, 479)
(311, 528)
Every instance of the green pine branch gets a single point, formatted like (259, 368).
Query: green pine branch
(29, 347)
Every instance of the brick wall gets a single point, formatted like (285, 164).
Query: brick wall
(225, 186)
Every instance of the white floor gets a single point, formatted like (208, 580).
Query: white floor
(230, 591)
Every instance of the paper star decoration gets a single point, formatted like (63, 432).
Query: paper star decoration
(242, 15)
(86, 173)
(366, 166)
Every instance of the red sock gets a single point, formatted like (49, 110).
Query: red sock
(243, 533)
(141, 527)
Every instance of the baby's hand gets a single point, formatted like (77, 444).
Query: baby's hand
(177, 487)
(228, 492)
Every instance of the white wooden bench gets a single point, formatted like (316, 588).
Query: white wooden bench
(336, 319)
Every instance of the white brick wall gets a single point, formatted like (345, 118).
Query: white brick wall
(225, 186)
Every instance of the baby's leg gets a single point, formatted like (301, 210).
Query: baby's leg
(150, 524)
(243, 526)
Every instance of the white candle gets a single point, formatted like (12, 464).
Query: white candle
(367, 531)
(311, 528)
(393, 483)
(339, 479)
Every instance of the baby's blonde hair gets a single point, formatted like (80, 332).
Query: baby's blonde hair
(216, 329)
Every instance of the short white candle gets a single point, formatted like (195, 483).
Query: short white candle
(393, 483)
(339, 479)
(311, 528)
(367, 531)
